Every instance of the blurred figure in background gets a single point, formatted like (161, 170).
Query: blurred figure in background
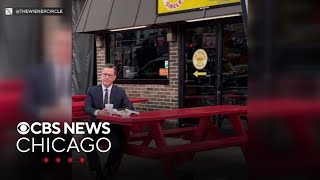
(48, 86)
(24, 41)
(47, 97)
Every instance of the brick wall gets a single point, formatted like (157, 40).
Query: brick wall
(101, 57)
(160, 96)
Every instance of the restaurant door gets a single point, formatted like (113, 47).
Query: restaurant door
(214, 66)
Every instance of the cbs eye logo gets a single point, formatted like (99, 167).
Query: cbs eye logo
(23, 128)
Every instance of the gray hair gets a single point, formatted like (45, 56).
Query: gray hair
(109, 65)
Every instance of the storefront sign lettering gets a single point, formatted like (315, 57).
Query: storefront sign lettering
(200, 59)
(169, 6)
(172, 5)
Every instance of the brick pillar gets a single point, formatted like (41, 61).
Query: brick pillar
(101, 55)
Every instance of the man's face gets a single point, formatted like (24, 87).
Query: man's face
(61, 47)
(107, 76)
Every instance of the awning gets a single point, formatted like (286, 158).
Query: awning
(101, 15)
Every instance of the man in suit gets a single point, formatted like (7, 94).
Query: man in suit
(47, 93)
(47, 97)
(97, 97)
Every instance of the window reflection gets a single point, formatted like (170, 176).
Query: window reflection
(200, 90)
(140, 54)
(235, 65)
(200, 38)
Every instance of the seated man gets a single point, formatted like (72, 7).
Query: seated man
(97, 97)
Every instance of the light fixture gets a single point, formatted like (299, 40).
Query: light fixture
(215, 17)
(128, 28)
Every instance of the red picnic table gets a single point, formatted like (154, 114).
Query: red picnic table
(81, 97)
(10, 108)
(77, 106)
(204, 136)
(296, 148)
(235, 96)
(80, 104)
(10, 101)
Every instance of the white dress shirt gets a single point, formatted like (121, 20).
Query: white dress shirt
(103, 94)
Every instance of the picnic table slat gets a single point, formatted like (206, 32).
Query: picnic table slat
(176, 113)
(151, 152)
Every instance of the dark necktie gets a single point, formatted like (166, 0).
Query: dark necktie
(106, 97)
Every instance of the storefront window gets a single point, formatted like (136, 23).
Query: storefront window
(140, 55)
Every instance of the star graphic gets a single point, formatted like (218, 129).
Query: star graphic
(58, 160)
(82, 160)
(70, 160)
(45, 160)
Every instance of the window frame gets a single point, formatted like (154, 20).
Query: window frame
(107, 39)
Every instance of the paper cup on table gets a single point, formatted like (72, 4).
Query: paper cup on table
(109, 107)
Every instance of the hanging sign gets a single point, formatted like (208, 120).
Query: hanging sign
(200, 59)
(166, 64)
(163, 72)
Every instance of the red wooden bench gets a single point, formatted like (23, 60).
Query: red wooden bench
(10, 108)
(296, 148)
(10, 101)
(76, 98)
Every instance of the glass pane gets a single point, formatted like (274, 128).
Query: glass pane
(140, 54)
(234, 65)
(200, 91)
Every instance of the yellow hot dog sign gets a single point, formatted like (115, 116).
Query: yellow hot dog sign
(168, 6)
(200, 59)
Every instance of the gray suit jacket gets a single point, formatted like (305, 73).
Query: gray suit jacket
(39, 91)
(94, 100)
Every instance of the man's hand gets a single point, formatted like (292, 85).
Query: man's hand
(104, 112)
